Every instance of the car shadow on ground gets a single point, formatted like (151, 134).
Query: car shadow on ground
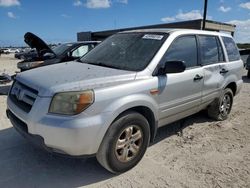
(177, 127)
(245, 79)
(4, 89)
(24, 165)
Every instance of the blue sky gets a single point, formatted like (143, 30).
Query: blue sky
(60, 20)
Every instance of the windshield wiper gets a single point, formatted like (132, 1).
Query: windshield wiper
(105, 65)
(100, 64)
(79, 60)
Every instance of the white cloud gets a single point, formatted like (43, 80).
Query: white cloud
(122, 1)
(65, 16)
(242, 34)
(96, 4)
(224, 9)
(168, 19)
(191, 15)
(245, 5)
(11, 15)
(9, 3)
(77, 3)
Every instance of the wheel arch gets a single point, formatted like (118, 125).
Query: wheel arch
(233, 87)
(140, 103)
(144, 110)
(148, 114)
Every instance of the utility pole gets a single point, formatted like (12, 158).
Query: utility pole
(204, 15)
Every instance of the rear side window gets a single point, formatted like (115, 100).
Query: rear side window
(183, 49)
(232, 50)
(210, 50)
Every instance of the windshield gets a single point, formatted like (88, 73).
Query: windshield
(59, 50)
(126, 51)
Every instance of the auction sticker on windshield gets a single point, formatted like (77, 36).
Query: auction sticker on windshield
(153, 37)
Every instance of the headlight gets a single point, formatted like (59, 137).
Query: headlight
(71, 103)
(35, 64)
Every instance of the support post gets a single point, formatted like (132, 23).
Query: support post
(204, 15)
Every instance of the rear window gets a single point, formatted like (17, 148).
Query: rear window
(211, 50)
(232, 50)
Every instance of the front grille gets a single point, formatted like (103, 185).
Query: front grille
(19, 124)
(23, 96)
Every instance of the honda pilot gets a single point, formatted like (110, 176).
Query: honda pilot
(112, 101)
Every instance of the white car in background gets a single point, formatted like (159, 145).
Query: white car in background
(10, 50)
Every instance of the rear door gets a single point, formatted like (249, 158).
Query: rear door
(215, 67)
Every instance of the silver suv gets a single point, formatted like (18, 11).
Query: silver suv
(111, 102)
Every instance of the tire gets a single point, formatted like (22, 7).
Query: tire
(248, 73)
(221, 108)
(131, 126)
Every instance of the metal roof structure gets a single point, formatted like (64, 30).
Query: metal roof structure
(191, 24)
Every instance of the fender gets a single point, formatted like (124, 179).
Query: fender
(125, 103)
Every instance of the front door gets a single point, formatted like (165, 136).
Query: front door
(180, 93)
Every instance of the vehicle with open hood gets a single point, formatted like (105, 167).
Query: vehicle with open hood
(112, 101)
(44, 55)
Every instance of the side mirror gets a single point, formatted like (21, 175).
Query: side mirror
(172, 67)
(49, 55)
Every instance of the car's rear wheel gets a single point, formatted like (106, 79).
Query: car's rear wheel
(221, 108)
(125, 143)
(248, 73)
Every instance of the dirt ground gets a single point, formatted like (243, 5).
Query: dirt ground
(200, 153)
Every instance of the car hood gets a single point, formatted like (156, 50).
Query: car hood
(72, 76)
(35, 42)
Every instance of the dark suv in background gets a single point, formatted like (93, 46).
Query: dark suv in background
(248, 66)
(47, 56)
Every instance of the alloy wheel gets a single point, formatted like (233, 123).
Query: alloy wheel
(129, 143)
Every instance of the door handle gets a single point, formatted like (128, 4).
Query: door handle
(198, 77)
(223, 71)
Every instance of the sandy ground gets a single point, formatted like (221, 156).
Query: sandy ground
(201, 153)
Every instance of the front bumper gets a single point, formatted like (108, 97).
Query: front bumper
(76, 136)
(22, 128)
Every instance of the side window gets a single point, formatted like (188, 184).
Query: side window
(79, 52)
(210, 50)
(183, 49)
(232, 50)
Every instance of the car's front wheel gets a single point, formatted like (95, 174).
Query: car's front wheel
(125, 143)
(248, 73)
